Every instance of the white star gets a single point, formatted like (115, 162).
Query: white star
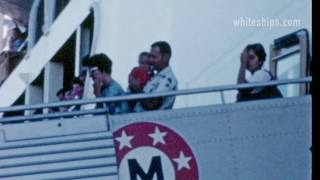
(182, 161)
(157, 136)
(124, 140)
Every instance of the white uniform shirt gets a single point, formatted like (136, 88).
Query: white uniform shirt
(259, 76)
(161, 82)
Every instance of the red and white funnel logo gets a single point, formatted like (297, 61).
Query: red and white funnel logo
(149, 151)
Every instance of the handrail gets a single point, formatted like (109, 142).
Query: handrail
(157, 94)
(52, 115)
(23, 45)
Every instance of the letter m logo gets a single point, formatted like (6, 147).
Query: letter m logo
(154, 168)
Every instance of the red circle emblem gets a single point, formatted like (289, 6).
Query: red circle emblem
(149, 150)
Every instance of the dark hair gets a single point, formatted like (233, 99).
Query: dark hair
(102, 61)
(83, 73)
(144, 54)
(17, 30)
(77, 80)
(164, 47)
(258, 49)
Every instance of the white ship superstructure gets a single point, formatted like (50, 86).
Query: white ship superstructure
(207, 135)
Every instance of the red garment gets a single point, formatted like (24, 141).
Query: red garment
(142, 74)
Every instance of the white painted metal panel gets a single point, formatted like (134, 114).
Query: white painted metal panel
(266, 139)
(81, 149)
(75, 174)
(53, 149)
(60, 157)
(52, 140)
(53, 128)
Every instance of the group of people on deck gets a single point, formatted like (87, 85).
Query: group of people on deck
(154, 74)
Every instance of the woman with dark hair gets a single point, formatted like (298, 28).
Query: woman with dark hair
(252, 59)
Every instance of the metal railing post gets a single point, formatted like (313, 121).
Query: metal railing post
(222, 97)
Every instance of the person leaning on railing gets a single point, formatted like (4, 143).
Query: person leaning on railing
(104, 85)
(164, 79)
(61, 93)
(252, 59)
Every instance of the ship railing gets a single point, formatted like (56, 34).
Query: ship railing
(56, 115)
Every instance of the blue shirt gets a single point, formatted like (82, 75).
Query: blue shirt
(110, 90)
(15, 44)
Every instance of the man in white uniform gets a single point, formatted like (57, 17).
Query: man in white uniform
(163, 80)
